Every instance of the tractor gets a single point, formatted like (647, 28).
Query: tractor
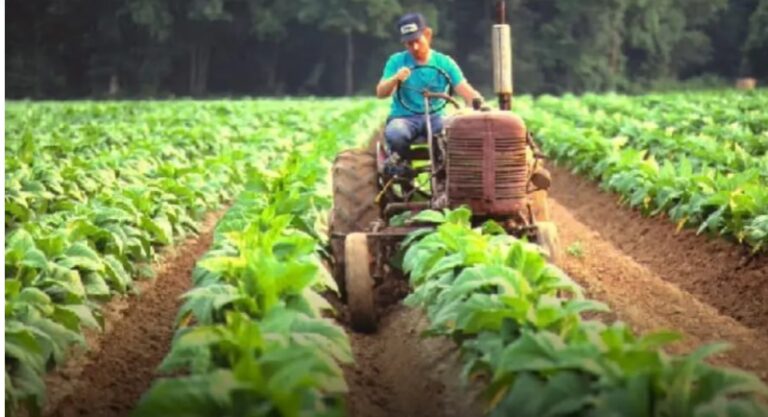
(483, 159)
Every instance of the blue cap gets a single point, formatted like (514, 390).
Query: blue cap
(411, 26)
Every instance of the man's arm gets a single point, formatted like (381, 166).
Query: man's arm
(467, 92)
(461, 85)
(386, 86)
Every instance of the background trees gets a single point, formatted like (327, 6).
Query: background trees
(138, 48)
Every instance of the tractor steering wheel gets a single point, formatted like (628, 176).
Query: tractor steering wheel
(426, 81)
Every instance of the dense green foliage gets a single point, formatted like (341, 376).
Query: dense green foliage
(699, 158)
(158, 47)
(518, 322)
(258, 345)
(93, 190)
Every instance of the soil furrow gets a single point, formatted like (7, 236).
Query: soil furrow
(119, 366)
(618, 266)
(397, 373)
(716, 271)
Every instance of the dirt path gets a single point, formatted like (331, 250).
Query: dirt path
(653, 278)
(111, 376)
(717, 272)
(399, 374)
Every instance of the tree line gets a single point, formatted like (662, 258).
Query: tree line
(164, 48)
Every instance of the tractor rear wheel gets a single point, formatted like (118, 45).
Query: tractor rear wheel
(359, 283)
(355, 186)
(549, 240)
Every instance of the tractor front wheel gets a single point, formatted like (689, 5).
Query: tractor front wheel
(359, 283)
(355, 186)
(549, 240)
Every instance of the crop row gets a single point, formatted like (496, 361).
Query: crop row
(730, 117)
(518, 322)
(675, 128)
(62, 158)
(64, 254)
(251, 338)
(697, 179)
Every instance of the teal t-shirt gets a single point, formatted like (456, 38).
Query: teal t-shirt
(419, 80)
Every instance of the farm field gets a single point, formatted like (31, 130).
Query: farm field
(225, 203)
(700, 159)
(96, 189)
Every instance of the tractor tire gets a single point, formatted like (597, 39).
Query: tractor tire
(359, 283)
(355, 186)
(549, 240)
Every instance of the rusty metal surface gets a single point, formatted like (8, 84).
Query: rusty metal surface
(486, 162)
(397, 231)
(393, 208)
(392, 231)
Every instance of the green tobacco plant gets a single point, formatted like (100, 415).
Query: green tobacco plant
(38, 333)
(254, 321)
(270, 264)
(95, 190)
(520, 326)
(575, 249)
(701, 158)
(283, 366)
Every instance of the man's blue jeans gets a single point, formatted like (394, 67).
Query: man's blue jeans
(401, 132)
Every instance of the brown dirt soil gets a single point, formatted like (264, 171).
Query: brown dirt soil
(397, 373)
(654, 278)
(109, 378)
(716, 271)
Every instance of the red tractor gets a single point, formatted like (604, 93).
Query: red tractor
(484, 159)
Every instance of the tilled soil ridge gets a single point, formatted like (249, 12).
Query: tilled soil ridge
(109, 379)
(616, 266)
(719, 273)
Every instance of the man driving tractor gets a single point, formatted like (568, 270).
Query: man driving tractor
(408, 73)
(482, 159)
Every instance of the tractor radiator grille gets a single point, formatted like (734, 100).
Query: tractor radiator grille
(486, 163)
(466, 168)
(510, 169)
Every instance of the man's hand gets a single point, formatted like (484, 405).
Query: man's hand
(468, 93)
(386, 87)
(478, 103)
(403, 74)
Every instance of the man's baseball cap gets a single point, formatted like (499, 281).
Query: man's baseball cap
(411, 26)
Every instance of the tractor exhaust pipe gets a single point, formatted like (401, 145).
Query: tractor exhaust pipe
(501, 49)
